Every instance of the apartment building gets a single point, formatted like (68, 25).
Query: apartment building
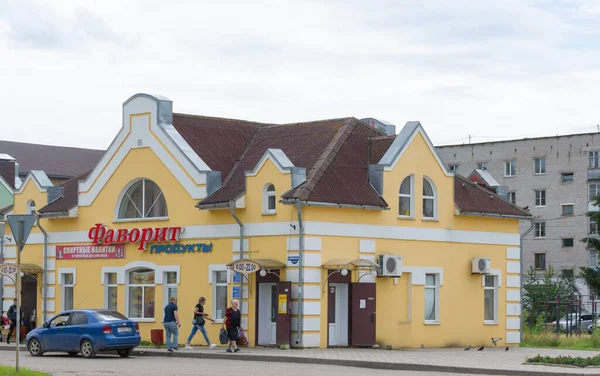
(556, 178)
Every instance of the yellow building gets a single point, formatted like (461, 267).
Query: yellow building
(331, 229)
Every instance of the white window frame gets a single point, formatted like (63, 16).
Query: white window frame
(540, 198)
(61, 279)
(542, 225)
(434, 198)
(537, 162)
(436, 288)
(212, 270)
(562, 208)
(596, 188)
(495, 289)
(512, 199)
(594, 159)
(124, 196)
(266, 195)
(167, 286)
(30, 209)
(482, 165)
(511, 168)
(453, 167)
(411, 197)
(592, 255)
(108, 286)
(128, 285)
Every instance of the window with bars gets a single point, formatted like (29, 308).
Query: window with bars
(143, 199)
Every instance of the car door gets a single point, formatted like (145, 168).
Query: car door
(74, 330)
(53, 336)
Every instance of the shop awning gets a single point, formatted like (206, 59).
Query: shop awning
(254, 265)
(349, 264)
(31, 269)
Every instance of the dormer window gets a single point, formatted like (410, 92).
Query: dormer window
(143, 200)
(269, 200)
(405, 209)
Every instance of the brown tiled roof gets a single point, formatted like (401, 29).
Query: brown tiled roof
(378, 147)
(69, 199)
(5, 210)
(56, 161)
(472, 198)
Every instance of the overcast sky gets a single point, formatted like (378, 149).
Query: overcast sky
(490, 69)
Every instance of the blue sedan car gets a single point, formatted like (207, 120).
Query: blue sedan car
(88, 331)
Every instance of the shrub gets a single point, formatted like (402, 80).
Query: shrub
(566, 360)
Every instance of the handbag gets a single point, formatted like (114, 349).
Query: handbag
(223, 338)
(242, 336)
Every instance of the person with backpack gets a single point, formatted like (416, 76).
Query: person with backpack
(198, 322)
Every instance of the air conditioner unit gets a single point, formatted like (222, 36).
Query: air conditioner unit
(391, 266)
(481, 265)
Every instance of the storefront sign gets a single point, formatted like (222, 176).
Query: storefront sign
(8, 269)
(100, 234)
(69, 252)
(245, 266)
(293, 259)
(181, 248)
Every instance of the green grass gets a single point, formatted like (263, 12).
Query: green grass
(10, 371)
(550, 340)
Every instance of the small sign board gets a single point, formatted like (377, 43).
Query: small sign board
(20, 225)
(282, 304)
(293, 259)
(86, 251)
(245, 266)
(236, 292)
(8, 269)
(237, 277)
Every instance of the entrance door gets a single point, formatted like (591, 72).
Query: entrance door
(338, 314)
(267, 319)
(363, 314)
(29, 295)
(284, 312)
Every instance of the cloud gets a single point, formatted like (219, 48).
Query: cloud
(39, 26)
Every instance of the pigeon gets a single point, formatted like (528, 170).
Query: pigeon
(468, 348)
(495, 339)
(506, 348)
(480, 349)
(422, 346)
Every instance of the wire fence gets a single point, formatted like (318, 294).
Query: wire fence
(574, 314)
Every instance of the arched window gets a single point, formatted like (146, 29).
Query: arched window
(269, 200)
(429, 199)
(406, 198)
(141, 294)
(143, 199)
(30, 207)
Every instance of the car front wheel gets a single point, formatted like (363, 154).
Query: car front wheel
(87, 349)
(35, 347)
(124, 353)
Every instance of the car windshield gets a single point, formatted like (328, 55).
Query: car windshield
(109, 316)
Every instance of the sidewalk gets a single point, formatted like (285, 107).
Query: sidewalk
(490, 361)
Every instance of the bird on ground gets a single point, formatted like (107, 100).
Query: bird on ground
(422, 346)
(468, 348)
(480, 349)
(495, 339)
(506, 348)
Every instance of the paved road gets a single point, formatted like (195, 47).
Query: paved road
(62, 365)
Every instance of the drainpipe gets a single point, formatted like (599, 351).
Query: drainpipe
(521, 276)
(44, 279)
(300, 271)
(2, 278)
(232, 209)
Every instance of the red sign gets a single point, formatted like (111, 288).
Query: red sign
(71, 252)
(100, 234)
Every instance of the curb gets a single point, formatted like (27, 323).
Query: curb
(343, 363)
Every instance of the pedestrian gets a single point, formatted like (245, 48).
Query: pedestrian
(32, 319)
(172, 324)
(198, 322)
(232, 321)
(12, 320)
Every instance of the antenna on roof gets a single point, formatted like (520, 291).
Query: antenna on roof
(469, 139)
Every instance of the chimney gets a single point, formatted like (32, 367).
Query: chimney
(384, 126)
(8, 169)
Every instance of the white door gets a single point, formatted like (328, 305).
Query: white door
(266, 320)
(338, 331)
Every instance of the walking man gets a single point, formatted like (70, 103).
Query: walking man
(172, 324)
(232, 321)
(198, 324)
(12, 320)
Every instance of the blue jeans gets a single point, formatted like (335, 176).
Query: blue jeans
(171, 329)
(195, 328)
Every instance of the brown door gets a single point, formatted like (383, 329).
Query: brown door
(28, 295)
(363, 314)
(284, 313)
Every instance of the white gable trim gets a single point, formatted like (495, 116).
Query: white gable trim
(164, 141)
(399, 146)
(279, 159)
(33, 175)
